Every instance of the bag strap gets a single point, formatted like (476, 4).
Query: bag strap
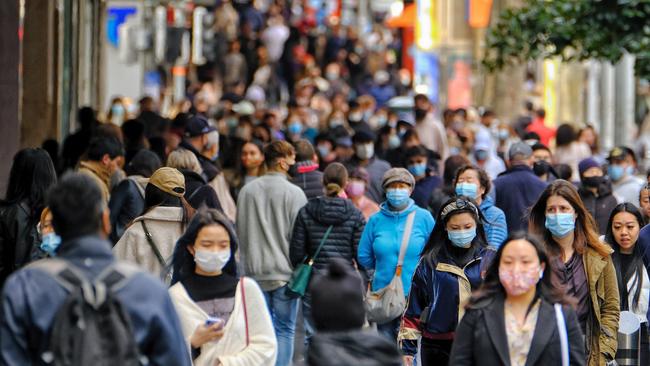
(153, 246)
(320, 245)
(137, 186)
(243, 297)
(564, 337)
(405, 242)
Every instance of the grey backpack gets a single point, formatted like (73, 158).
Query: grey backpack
(91, 327)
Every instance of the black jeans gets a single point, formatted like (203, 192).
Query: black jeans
(434, 352)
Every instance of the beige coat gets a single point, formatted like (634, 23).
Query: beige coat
(164, 225)
(231, 350)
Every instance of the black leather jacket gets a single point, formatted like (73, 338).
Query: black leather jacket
(18, 236)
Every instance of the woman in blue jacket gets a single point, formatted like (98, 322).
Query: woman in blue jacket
(474, 183)
(451, 266)
(382, 237)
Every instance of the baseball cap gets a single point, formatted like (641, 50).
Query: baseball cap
(617, 153)
(169, 180)
(197, 126)
(521, 149)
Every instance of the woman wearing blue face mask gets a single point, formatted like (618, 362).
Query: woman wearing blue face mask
(223, 316)
(50, 241)
(474, 183)
(583, 264)
(384, 233)
(451, 266)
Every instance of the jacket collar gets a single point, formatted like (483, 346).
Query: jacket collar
(84, 247)
(96, 167)
(544, 329)
(594, 266)
(486, 203)
(496, 326)
(385, 208)
(163, 213)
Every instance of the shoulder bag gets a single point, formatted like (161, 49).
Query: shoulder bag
(300, 277)
(388, 303)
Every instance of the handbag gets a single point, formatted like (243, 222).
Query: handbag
(564, 336)
(300, 277)
(388, 303)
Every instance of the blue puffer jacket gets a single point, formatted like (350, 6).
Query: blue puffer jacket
(437, 293)
(496, 227)
(382, 238)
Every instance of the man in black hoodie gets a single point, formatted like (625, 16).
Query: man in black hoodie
(196, 140)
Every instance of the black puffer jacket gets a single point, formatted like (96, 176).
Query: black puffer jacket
(311, 183)
(18, 236)
(358, 348)
(312, 223)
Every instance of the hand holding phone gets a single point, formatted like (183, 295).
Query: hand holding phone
(215, 320)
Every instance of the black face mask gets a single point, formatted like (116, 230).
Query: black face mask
(420, 113)
(593, 182)
(541, 167)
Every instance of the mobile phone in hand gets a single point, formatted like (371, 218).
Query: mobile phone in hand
(213, 320)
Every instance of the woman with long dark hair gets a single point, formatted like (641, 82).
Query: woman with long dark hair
(149, 240)
(510, 320)
(449, 269)
(623, 228)
(249, 166)
(32, 174)
(582, 263)
(223, 316)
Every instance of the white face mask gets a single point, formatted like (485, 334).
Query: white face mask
(211, 262)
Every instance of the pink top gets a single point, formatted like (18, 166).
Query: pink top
(367, 206)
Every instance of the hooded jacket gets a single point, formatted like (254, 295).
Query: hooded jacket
(496, 227)
(382, 238)
(311, 182)
(313, 221)
(126, 203)
(165, 224)
(198, 192)
(599, 206)
(358, 348)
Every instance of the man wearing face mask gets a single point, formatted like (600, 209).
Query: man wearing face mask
(266, 211)
(621, 170)
(32, 296)
(431, 131)
(596, 192)
(486, 158)
(542, 159)
(364, 156)
(425, 183)
(196, 140)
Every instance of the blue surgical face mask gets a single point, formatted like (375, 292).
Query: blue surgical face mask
(398, 197)
(295, 128)
(394, 141)
(561, 224)
(629, 170)
(50, 243)
(323, 150)
(462, 238)
(615, 172)
(418, 170)
(503, 134)
(481, 155)
(467, 189)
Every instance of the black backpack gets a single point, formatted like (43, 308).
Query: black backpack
(91, 327)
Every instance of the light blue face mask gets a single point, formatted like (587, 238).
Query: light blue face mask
(295, 128)
(394, 141)
(561, 224)
(398, 197)
(50, 243)
(629, 170)
(462, 238)
(615, 172)
(418, 170)
(467, 189)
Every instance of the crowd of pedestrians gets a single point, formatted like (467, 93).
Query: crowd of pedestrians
(286, 190)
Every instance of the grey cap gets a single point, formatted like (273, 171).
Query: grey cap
(397, 175)
(521, 150)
